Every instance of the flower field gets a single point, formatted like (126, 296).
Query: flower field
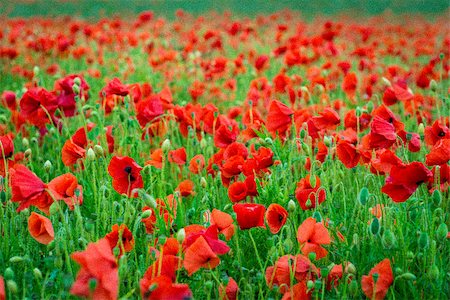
(216, 156)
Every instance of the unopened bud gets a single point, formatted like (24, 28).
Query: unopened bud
(166, 145)
(181, 235)
(146, 214)
(386, 81)
(310, 284)
(47, 166)
(16, 259)
(9, 274)
(388, 240)
(77, 81)
(442, 232)
(433, 85)
(37, 273)
(350, 268)
(90, 154)
(25, 142)
(99, 151)
(328, 140)
(436, 197)
(76, 89)
(375, 226)
(291, 206)
(312, 256)
(36, 70)
(369, 107)
(203, 182)
(149, 200)
(424, 240)
(363, 196)
(12, 286)
(358, 112)
(408, 276)
(421, 129)
(28, 153)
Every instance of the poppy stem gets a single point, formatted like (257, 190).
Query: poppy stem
(256, 252)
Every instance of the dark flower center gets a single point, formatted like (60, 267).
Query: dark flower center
(441, 133)
(391, 120)
(128, 169)
(280, 218)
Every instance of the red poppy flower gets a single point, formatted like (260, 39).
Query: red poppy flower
(279, 118)
(226, 134)
(126, 174)
(148, 110)
(2, 289)
(66, 95)
(98, 264)
(298, 291)
(178, 156)
(40, 228)
(66, 188)
(199, 255)
(230, 291)
(347, 154)
(382, 133)
(312, 235)
(264, 157)
(162, 288)
(327, 119)
(384, 161)
(74, 148)
(8, 99)
(276, 216)
(436, 132)
(38, 106)
(156, 159)
(237, 191)
(196, 164)
(186, 188)
(305, 192)
(349, 84)
(28, 189)
(249, 215)
(6, 146)
(440, 154)
(126, 242)
(224, 223)
(114, 87)
(404, 180)
(378, 290)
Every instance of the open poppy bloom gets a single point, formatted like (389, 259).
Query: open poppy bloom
(440, 154)
(38, 106)
(121, 237)
(347, 154)
(279, 118)
(224, 223)
(74, 148)
(249, 215)
(196, 164)
(230, 291)
(40, 228)
(126, 174)
(404, 180)
(378, 290)
(312, 235)
(28, 189)
(6, 146)
(162, 288)
(156, 158)
(2, 289)
(276, 216)
(237, 191)
(199, 255)
(178, 156)
(98, 266)
(67, 189)
(305, 192)
(186, 188)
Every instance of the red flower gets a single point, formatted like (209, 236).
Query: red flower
(312, 235)
(230, 291)
(199, 255)
(378, 290)
(28, 189)
(347, 154)
(436, 132)
(440, 154)
(40, 228)
(162, 288)
(186, 188)
(98, 265)
(6, 146)
(66, 96)
(404, 180)
(178, 156)
(66, 188)
(196, 164)
(224, 223)
(382, 133)
(126, 174)
(249, 215)
(114, 87)
(279, 117)
(305, 192)
(126, 242)
(276, 216)
(237, 191)
(148, 110)
(38, 106)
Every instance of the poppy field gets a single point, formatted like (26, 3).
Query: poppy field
(217, 156)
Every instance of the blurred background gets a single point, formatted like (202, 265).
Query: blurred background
(167, 8)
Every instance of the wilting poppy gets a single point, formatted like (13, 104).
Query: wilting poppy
(162, 288)
(98, 265)
(67, 189)
(28, 189)
(126, 174)
(199, 255)
(379, 288)
(237, 191)
(126, 242)
(404, 180)
(276, 216)
(230, 291)
(40, 228)
(307, 196)
(249, 215)
(312, 235)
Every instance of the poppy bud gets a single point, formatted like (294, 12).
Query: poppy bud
(99, 151)
(16, 259)
(363, 196)
(316, 215)
(291, 206)
(146, 214)
(312, 256)
(9, 274)
(308, 203)
(388, 240)
(77, 81)
(36, 70)
(437, 197)
(355, 240)
(358, 112)
(350, 268)
(208, 285)
(433, 85)
(312, 180)
(76, 89)
(90, 154)
(309, 284)
(424, 241)
(203, 182)
(149, 200)
(327, 140)
(54, 208)
(288, 245)
(37, 273)
(25, 142)
(47, 166)
(166, 145)
(324, 272)
(320, 88)
(369, 107)
(318, 284)
(375, 226)
(433, 272)
(421, 129)
(409, 255)
(386, 81)
(408, 276)
(181, 235)
(28, 153)
(12, 286)
(442, 231)
(305, 148)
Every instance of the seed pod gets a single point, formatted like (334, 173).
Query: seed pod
(363, 196)
(408, 276)
(375, 226)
